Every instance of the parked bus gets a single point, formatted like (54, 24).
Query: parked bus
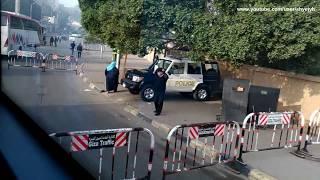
(19, 30)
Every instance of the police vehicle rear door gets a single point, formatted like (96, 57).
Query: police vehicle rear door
(194, 76)
(211, 76)
(177, 80)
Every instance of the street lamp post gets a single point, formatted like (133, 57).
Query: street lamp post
(31, 8)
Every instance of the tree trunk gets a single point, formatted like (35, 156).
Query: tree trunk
(124, 68)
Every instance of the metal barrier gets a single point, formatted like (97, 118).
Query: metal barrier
(57, 62)
(312, 136)
(222, 137)
(17, 58)
(115, 139)
(95, 47)
(276, 129)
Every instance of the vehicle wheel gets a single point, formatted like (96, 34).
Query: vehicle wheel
(201, 93)
(134, 91)
(147, 93)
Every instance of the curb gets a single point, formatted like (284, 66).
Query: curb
(250, 173)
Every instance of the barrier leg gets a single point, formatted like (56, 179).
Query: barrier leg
(253, 133)
(174, 151)
(186, 152)
(112, 164)
(281, 135)
(204, 150)
(179, 158)
(229, 155)
(214, 139)
(127, 158)
(286, 141)
(249, 132)
(135, 156)
(241, 146)
(226, 145)
(273, 134)
(221, 149)
(165, 162)
(100, 163)
(195, 153)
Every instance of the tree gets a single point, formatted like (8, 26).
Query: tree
(114, 22)
(134, 26)
(265, 38)
(270, 38)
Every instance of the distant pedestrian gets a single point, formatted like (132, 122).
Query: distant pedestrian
(60, 39)
(72, 46)
(55, 41)
(159, 87)
(44, 40)
(112, 77)
(51, 41)
(79, 49)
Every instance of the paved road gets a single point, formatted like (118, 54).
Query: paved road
(59, 101)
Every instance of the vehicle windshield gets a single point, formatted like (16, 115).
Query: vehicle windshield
(162, 63)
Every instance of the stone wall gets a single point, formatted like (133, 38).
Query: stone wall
(297, 91)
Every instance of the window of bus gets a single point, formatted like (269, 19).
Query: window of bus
(4, 20)
(15, 23)
(30, 25)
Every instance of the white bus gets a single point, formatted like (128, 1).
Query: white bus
(19, 30)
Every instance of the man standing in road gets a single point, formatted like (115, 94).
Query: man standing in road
(159, 87)
(51, 41)
(79, 49)
(72, 45)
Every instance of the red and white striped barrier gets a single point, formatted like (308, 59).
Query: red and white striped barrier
(276, 129)
(79, 142)
(314, 126)
(312, 137)
(115, 139)
(206, 138)
(17, 58)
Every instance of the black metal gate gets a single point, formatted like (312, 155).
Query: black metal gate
(235, 99)
(263, 99)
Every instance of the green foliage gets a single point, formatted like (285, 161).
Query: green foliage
(285, 40)
(114, 22)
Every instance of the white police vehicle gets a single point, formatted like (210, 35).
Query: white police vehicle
(201, 79)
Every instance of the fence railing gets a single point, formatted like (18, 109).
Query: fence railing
(117, 139)
(187, 154)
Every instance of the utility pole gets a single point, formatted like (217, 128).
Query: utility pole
(17, 6)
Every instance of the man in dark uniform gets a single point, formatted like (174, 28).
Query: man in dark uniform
(159, 87)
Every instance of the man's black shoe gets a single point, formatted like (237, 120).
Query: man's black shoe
(157, 114)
